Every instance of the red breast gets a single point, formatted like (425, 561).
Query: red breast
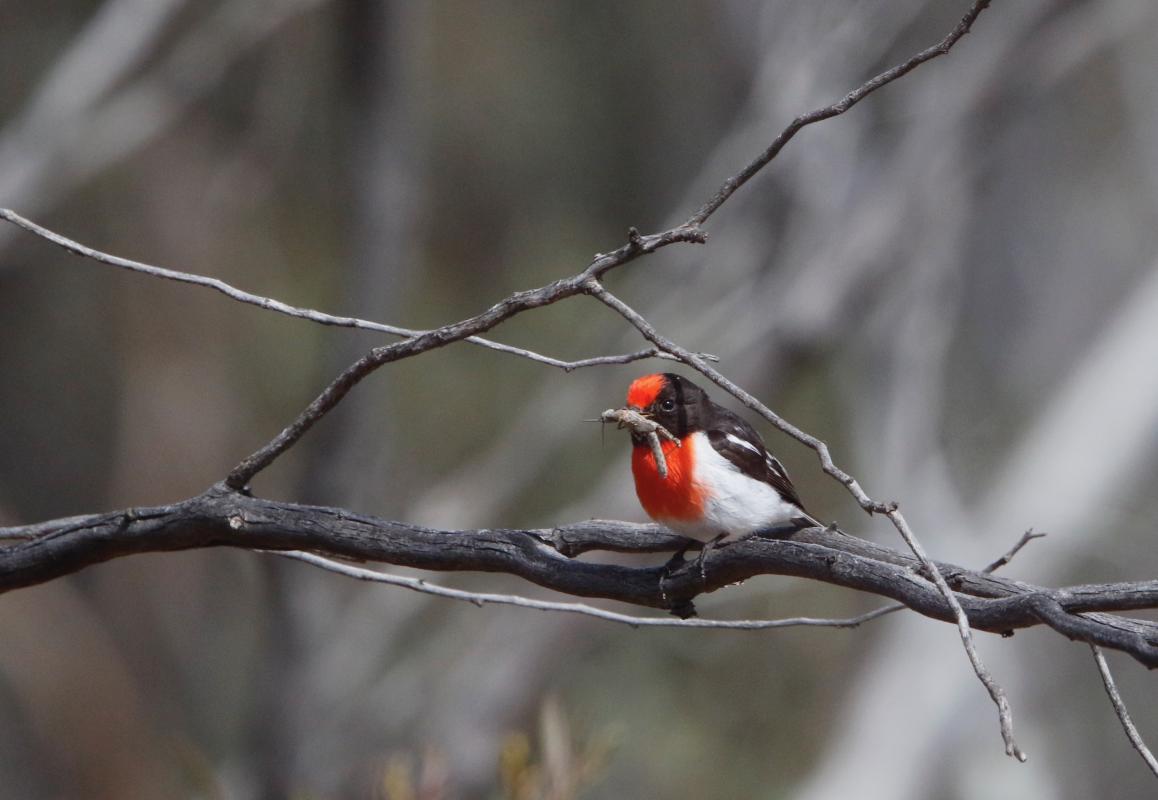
(675, 497)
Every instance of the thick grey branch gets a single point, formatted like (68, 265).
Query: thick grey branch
(221, 517)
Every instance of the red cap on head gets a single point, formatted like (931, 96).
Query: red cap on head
(643, 391)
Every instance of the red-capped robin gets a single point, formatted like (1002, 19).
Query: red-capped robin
(721, 482)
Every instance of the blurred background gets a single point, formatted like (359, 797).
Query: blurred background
(955, 285)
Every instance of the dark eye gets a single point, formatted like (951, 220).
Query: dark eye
(667, 405)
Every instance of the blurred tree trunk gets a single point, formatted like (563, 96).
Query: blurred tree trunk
(350, 461)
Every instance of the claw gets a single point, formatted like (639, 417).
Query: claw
(703, 557)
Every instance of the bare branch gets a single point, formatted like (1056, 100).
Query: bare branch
(221, 517)
(1123, 714)
(483, 598)
(270, 304)
(1025, 539)
(844, 104)
(1004, 714)
(448, 334)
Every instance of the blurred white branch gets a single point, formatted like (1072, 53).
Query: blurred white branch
(117, 39)
(79, 123)
(1061, 473)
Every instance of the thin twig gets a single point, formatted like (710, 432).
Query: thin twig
(1120, 709)
(836, 109)
(321, 318)
(482, 598)
(501, 311)
(1004, 713)
(1025, 539)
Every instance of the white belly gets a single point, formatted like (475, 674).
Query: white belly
(734, 504)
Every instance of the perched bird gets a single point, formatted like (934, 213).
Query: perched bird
(721, 481)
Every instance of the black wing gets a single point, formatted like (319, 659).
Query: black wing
(737, 441)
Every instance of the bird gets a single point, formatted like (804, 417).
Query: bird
(721, 483)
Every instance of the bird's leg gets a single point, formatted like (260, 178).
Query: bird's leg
(678, 557)
(671, 566)
(709, 545)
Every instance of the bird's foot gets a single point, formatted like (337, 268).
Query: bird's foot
(673, 564)
(701, 561)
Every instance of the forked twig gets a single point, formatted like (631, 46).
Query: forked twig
(1025, 539)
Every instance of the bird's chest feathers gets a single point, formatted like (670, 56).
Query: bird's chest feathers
(676, 497)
